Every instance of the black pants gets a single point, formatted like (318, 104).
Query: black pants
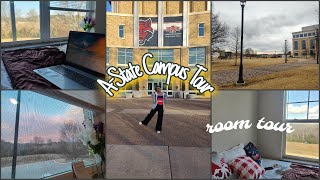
(159, 108)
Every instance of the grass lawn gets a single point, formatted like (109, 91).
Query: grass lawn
(306, 77)
(302, 150)
(220, 65)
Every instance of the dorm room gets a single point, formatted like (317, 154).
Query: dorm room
(266, 154)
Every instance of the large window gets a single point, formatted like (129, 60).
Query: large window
(66, 16)
(164, 55)
(46, 138)
(124, 56)
(303, 44)
(296, 45)
(302, 112)
(20, 21)
(197, 56)
(42, 21)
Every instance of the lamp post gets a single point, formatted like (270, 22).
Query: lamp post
(317, 44)
(240, 80)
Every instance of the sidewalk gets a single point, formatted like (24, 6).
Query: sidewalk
(184, 123)
(158, 162)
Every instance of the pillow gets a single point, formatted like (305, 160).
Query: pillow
(246, 168)
(252, 151)
(220, 169)
(233, 153)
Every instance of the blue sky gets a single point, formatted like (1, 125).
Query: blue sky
(299, 110)
(39, 116)
(25, 7)
(108, 7)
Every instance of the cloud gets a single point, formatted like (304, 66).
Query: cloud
(33, 124)
(268, 24)
(297, 109)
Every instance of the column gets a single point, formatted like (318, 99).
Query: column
(136, 23)
(185, 22)
(160, 23)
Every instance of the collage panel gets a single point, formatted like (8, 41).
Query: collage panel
(52, 44)
(262, 45)
(274, 135)
(265, 113)
(52, 134)
(155, 128)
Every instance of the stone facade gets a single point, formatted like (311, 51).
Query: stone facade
(127, 14)
(304, 43)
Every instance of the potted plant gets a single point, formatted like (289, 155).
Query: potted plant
(87, 24)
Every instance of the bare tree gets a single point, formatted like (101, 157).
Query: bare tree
(219, 33)
(73, 148)
(235, 41)
(249, 52)
(5, 20)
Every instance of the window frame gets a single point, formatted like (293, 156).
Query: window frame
(123, 31)
(125, 56)
(44, 15)
(300, 121)
(201, 23)
(304, 44)
(196, 55)
(294, 45)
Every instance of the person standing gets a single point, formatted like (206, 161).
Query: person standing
(159, 99)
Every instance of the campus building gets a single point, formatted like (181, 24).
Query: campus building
(174, 31)
(304, 42)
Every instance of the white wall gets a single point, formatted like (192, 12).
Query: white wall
(251, 105)
(232, 106)
(271, 107)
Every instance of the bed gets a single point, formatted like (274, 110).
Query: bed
(5, 78)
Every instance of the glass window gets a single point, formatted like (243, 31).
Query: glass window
(66, 16)
(121, 31)
(305, 35)
(6, 28)
(301, 35)
(47, 135)
(164, 55)
(201, 29)
(309, 34)
(197, 56)
(303, 44)
(296, 45)
(107, 56)
(27, 21)
(302, 112)
(312, 43)
(302, 105)
(124, 56)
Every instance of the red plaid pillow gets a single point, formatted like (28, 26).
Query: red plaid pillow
(246, 168)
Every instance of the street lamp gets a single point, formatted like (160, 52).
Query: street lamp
(317, 44)
(240, 80)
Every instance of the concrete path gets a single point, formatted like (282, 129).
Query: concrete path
(157, 162)
(184, 123)
(227, 77)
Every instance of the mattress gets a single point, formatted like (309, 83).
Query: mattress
(273, 174)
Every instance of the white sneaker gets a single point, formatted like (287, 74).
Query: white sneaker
(140, 123)
(158, 132)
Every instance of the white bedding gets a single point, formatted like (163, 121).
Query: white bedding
(272, 174)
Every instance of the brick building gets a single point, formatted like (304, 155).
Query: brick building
(304, 42)
(174, 31)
